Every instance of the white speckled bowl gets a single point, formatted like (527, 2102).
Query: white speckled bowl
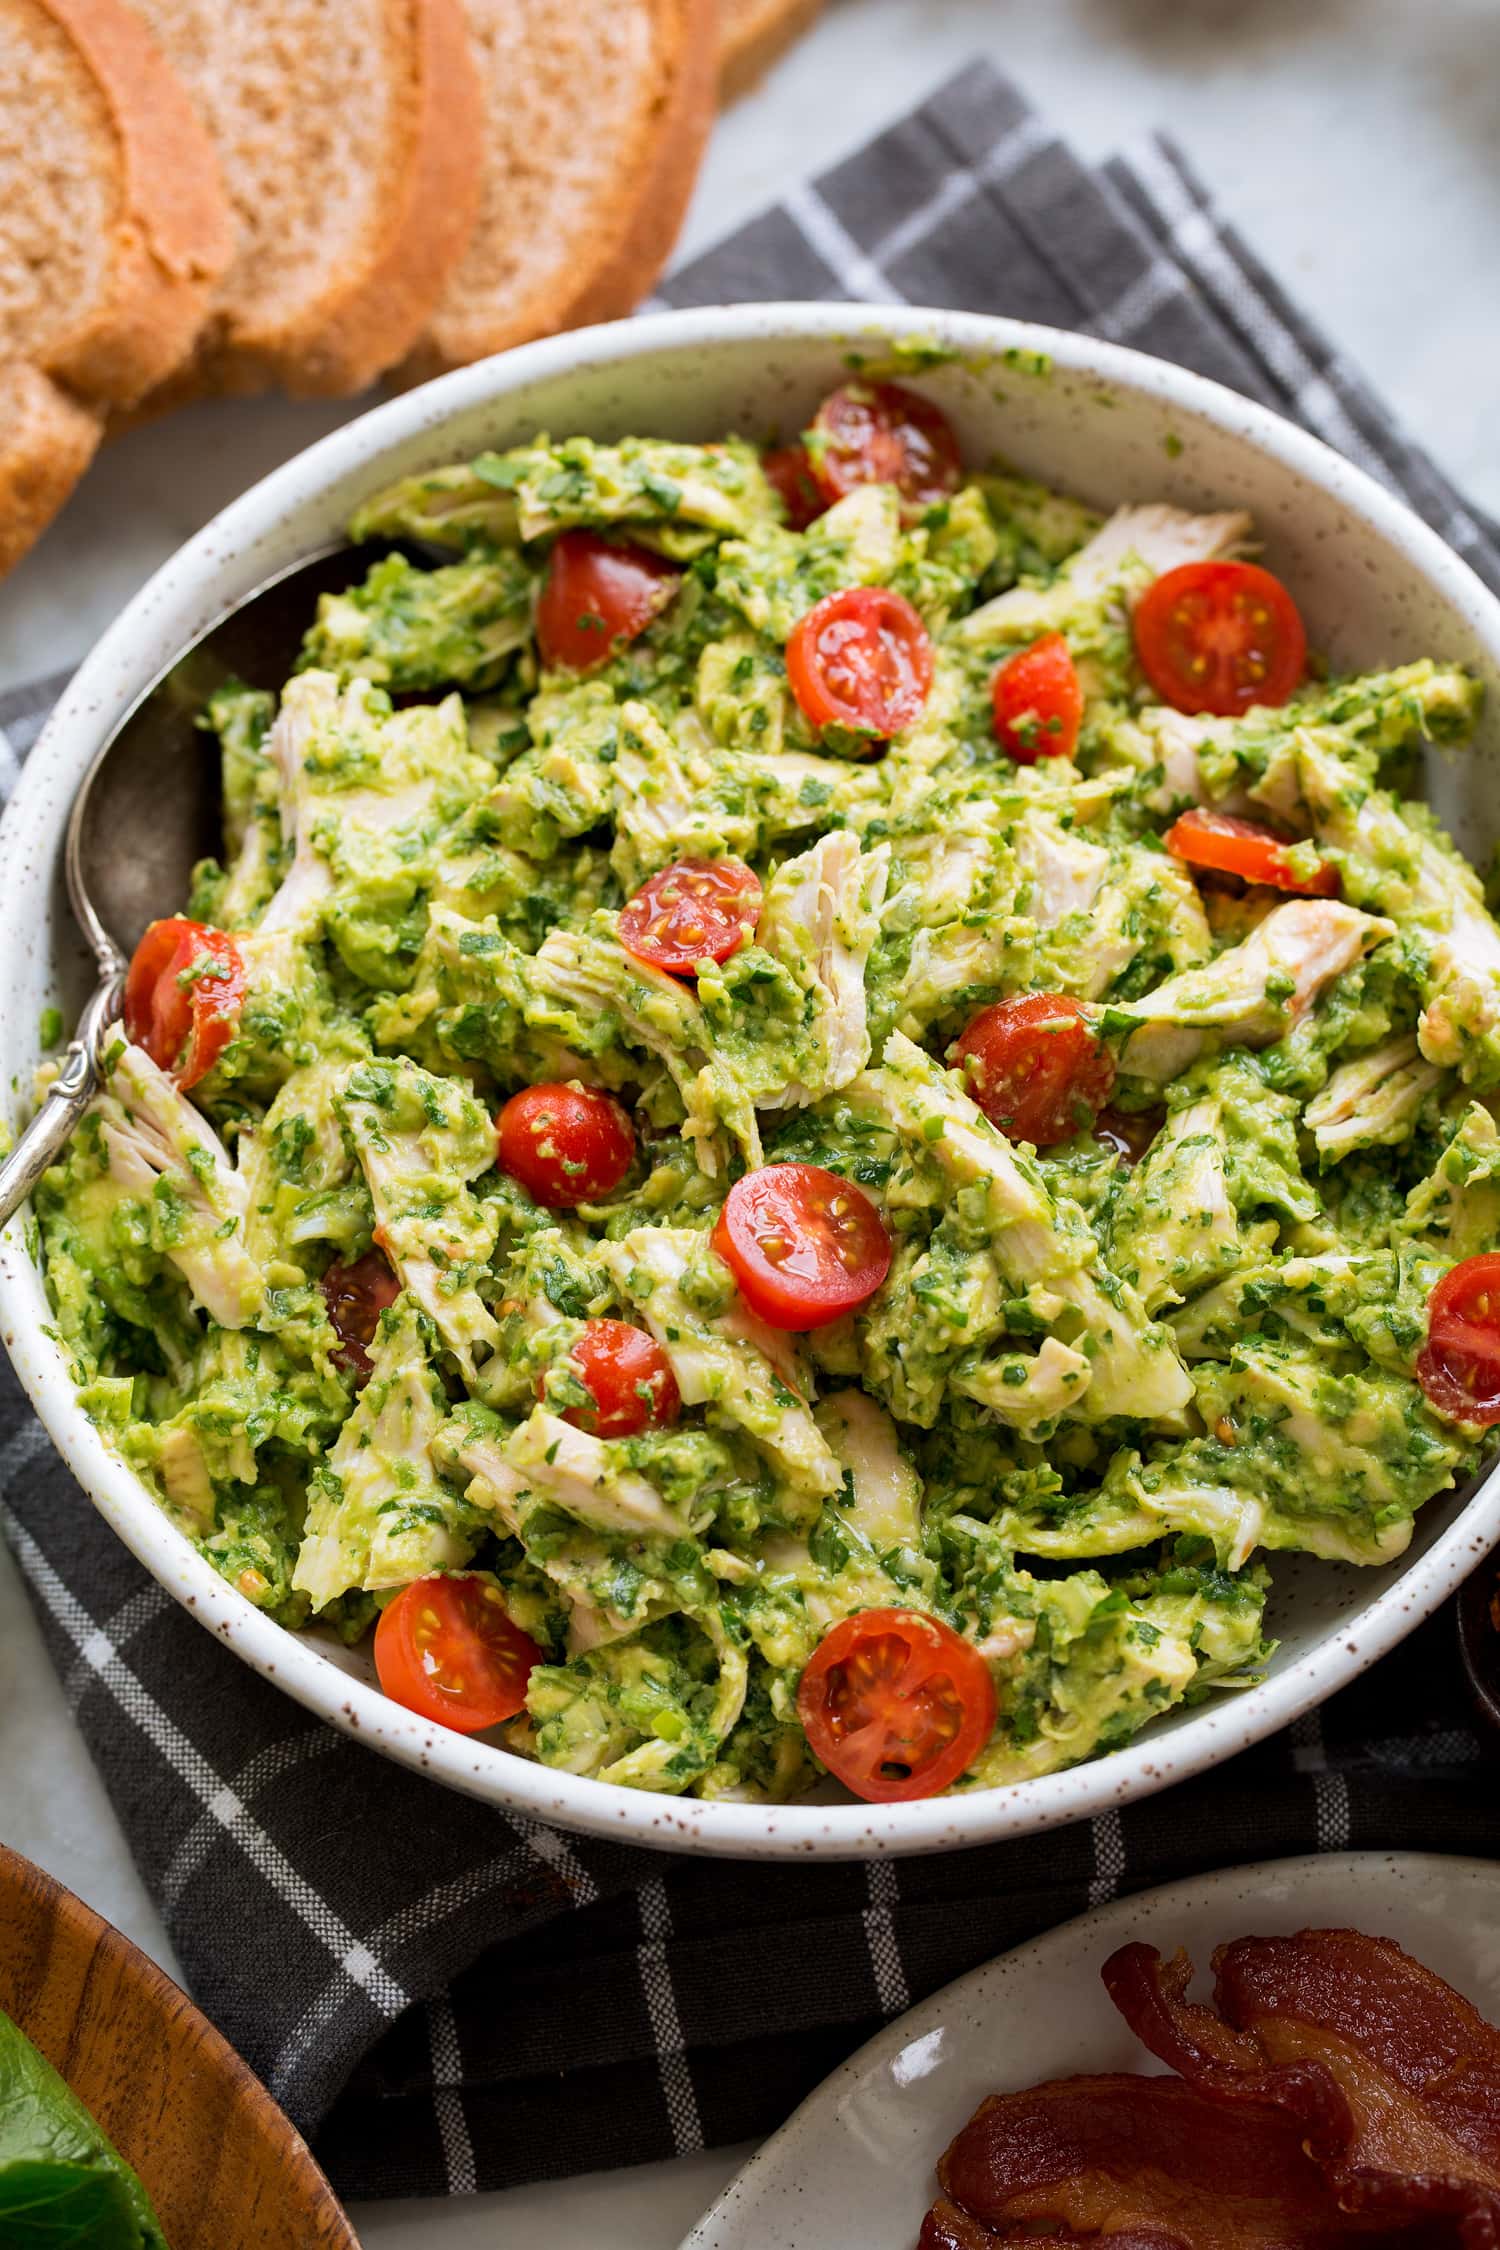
(1376, 586)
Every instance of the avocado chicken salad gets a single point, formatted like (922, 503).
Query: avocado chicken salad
(818, 1098)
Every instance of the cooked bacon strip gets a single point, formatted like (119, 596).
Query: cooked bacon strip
(946, 2227)
(1391, 2078)
(1333, 1991)
(1210, 2055)
(1143, 2164)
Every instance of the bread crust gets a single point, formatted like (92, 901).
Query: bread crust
(754, 34)
(173, 231)
(686, 117)
(380, 320)
(47, 440)
(614, 254)
(368, 319)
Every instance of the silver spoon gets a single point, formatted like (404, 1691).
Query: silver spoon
(147, 810)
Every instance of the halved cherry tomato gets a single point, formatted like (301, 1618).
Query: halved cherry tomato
(1038, 701)
(183, 994)
(1460, 1367)
(896, 1704)
(598, 594)
(565, 1144)
(629, 1377)
(1220, 637)
(882, 433)
(1239, 847)
(1129, 1132)
(1036, 1067)
(791, 472)
(697, 910)
(805, 1246)
(861, 659)
(356, 1296)
(447, 1649)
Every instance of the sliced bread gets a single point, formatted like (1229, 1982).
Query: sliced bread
(113, 231)
(753, 34)
(596, 125)
(47, 440)
(112, 217)
(351, 139)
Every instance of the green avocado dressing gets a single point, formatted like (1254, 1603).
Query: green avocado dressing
(1092, 1396)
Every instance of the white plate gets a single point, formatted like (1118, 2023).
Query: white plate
(1376, 586)
(852, 2169)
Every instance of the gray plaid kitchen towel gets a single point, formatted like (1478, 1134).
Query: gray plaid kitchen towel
(448, 1999)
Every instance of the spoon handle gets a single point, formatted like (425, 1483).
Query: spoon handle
(68, 1097)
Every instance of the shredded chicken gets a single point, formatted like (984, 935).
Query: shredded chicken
(1373, 1101)
(1136, 545)
(1158, 535)
(646, 1765)
(1424, 882)
(887, 1504)
(379, 1514)
(418, 1149)
(595, 975)
(152, 1132)
(318, 798)
(1027, 1391)
(307, 706)
(1066, 872)
(1132, 1368)
(1173, 1225)
(1256, 991)
(820, 919)
(659, 788)
(577, 1473)
(729, 1364)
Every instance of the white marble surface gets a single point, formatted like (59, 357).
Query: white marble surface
(1358, 142)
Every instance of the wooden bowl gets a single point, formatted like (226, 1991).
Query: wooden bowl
(225, 2169)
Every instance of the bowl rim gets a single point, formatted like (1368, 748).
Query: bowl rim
(108, 681)
(1479, 1643)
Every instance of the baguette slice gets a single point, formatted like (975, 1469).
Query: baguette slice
(47, 440)
(113, 224)
(753, 34)
(596, 125)
(113, 231)
(351, 136)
